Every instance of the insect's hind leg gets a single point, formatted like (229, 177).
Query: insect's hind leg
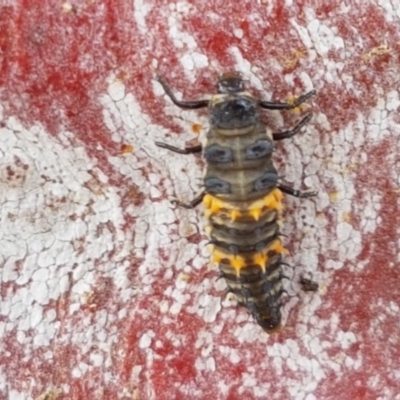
(290, 133)
(186, 150)
(296, 193)
(191, 105)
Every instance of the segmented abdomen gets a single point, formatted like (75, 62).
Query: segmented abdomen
(243, 208)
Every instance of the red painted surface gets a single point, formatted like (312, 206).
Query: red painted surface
(56, 61)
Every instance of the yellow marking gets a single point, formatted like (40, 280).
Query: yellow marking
(255, 209)
(277, 247)
(236, 262)
(271, 200)
(278, 195)
(217, 256)
(255, 213)
(235, 214)
(207, 214)
(258, 203)
(260, 259)
(215, 207)
(207, 199)
(215, 204)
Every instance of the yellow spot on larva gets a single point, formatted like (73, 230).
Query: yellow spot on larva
(255, 213)
(207, 199)
(235, 261)
(215, 207)
(277, 247)
(255, 209)
(215, 204)
(217, 256)
(271, 201)
(238, 263)
(274, 200)
(260, 259)
(278, 195)
(235, 214)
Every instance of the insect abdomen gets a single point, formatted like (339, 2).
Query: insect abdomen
(243, 209)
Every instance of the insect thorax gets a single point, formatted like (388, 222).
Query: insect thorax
(233, 111)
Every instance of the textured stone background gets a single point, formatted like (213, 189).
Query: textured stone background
(106, 291)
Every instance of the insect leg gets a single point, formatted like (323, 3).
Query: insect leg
(292, 132)
(295, 192)
(272, 105)
(186, 150)
(182, 104)
(194, 203)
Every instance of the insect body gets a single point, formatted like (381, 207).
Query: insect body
(308, 285)
(243, 195)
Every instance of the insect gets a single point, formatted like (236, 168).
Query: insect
(308, 285)
(243, 194)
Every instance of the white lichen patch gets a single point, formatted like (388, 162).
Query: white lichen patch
(190, 58)
(54, 202)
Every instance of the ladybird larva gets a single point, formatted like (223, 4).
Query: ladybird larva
(243, 194)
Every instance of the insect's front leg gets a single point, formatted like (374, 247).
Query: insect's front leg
(272, 105)
(186, 150)
(191, 105)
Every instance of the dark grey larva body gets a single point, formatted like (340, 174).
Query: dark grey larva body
(247, 247)
(242, 196)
